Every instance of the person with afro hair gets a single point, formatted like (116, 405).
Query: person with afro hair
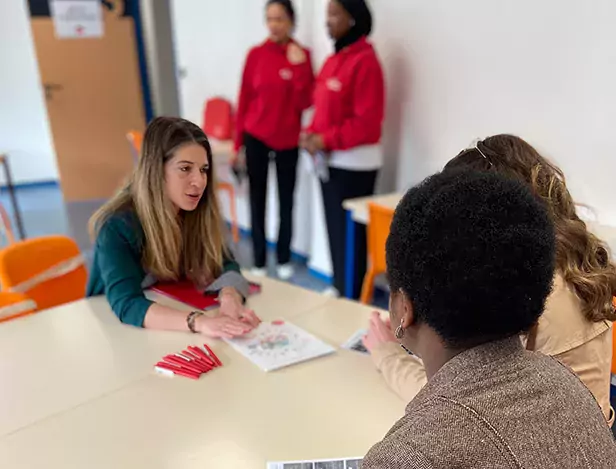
(576, 326)
(470, 261)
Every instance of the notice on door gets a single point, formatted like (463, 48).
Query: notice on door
(74, 19)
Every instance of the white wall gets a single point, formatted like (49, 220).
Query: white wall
(543, 70)
(455, 70)
(24, 130)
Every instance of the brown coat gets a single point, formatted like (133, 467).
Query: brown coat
(563, 332)
(499, 406)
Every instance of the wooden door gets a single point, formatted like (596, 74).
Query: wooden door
(94, 98)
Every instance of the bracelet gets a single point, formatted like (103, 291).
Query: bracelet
(190, 320)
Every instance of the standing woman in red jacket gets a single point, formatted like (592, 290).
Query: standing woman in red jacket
(349, 102)
(276, 88)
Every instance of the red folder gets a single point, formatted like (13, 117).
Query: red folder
(186, 293)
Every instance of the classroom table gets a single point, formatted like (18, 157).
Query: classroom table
(81, 392)
(68, 355)
(357, 213)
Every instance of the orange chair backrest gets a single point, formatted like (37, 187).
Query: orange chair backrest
(378, 231)
(14, 305)
(24, 261)
(136, 140)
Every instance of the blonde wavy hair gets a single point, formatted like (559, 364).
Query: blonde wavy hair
(190, 244)
(581, 258)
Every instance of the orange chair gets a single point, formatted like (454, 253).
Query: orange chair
(136, 139)
(377, 232)
(230, 190)
(15, 305)
(50, 270)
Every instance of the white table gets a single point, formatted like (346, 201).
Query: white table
(81, 393)
(60, 358)
(358, 208)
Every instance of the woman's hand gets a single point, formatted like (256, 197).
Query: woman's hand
(231, 305)
(221, 327)
(234, 157)
(379, 332)
(312, 143)
(295, 54)
(303, 139)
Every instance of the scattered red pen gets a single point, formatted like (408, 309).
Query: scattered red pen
(172, 359)
(197, 352)
(212, 355)
(190, 363)
(167, 368)
(197, 360)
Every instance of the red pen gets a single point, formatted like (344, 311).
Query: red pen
(167, 370)
(208, 352)
(172, 359)
(190, 359)
(212, 355)
(183, 363)
(203, 355)
(175, 367)
(197, 360)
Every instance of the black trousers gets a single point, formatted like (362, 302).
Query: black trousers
(257, 164)
(342, 185)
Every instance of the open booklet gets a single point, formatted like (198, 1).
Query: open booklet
(350, 463)
(277, 344)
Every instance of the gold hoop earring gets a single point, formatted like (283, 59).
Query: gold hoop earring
(399, 330)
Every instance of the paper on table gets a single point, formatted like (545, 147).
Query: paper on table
(355, 342)
(349, 463)
(277, 344)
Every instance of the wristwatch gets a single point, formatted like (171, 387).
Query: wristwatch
(190, 320)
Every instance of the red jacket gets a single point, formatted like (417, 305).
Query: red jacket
(349, 98)
(273, 96)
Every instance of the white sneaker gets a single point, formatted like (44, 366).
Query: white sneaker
(285, 271)
(331, 292)
(258, 272)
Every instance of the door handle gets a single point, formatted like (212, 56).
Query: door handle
(50, 88)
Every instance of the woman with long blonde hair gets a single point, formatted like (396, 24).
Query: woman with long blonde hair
(165, 225)
(576, 325)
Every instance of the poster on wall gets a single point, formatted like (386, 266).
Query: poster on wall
(76, 19)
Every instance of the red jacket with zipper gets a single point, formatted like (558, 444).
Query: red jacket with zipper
(273, 95)
(349, 98)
